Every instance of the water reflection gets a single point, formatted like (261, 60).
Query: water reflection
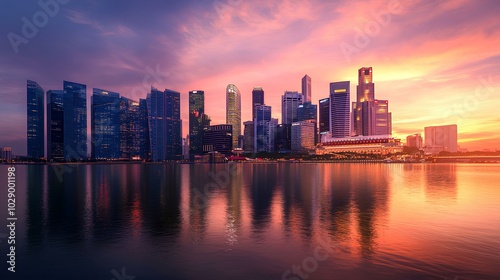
(265, 216)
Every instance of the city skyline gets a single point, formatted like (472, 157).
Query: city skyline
(429, 78)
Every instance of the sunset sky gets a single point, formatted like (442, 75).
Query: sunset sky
(436, 63)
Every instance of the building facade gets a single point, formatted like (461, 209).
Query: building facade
(324, 116)
(233, 112)
(303, 134)
(165, 125)
(339, 106)
(290, 102)
(218, 138)
(35, 120)
(75, 121)
(55, 125)
(196, 113)
(104, 125)
(365, 91)
(306, 88)
(441, 138)
(257, 99)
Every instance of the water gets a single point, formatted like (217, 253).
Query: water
(255, 221)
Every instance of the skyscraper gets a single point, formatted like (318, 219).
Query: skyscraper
(257, 99)
(55, 125)
(165, 125)
(105, 121)
(306, 88)
(339, 104)
(303, 134)
(75, 121)
(376, 118)
(144, 144)
(309, 112)
(129, 129)
(265, 129)
(233, 112)
(35, 120)
(324, 115)
(290, 102)
(196, 113)
(365, 91)
(249, 136)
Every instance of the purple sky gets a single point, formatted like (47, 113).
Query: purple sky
(437, 63)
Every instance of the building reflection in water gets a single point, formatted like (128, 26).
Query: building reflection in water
(440, 182)
(35, 205)
(233, 209)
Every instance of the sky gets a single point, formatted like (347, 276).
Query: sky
(437, 62)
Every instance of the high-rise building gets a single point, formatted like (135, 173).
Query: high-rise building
(283, 141)
(129, 129)
(196, 113)
(306, 88)
(324, 115)
(75, 121)
(218, 138)
(257, 99)
(233, 112)
(376, 118)
(365, 91)
(55, 125)
(105, 121)
(144, 144)
(339, 105)
(249, 136)
(185, 148)
(35, 120)
(265, 129)
(290, 102)
(303, 134)
(309, 112)
(441, 138)
(414, 141)
(165, 125)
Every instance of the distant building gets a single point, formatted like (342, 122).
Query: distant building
(105, 124)
(365, 91)
(414, 141)
(130, 129)
(377, 144)
(165, 125)
(283, 142)
(185, 148)
(441, 138)
(35, 120)
(196, 113)
(324, 115)
(264, 129)
(55, 125)
(233, 112)
(248, 137)
(218, 138)
(290, 102)
(339, 106)
(303, 136)
(377, 120)
(75, 121)
(309, 112)
(144, 143)
(306, 88)
(257, 99)
(7, 154)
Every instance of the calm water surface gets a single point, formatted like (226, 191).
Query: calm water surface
(255, 221)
